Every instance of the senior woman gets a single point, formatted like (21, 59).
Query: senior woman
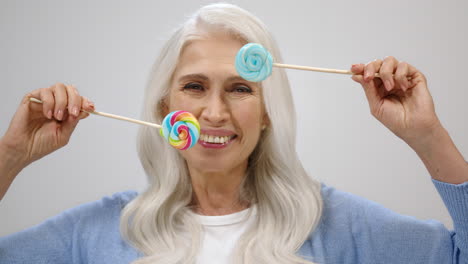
(241, 194)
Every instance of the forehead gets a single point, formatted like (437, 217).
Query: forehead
(218, 49)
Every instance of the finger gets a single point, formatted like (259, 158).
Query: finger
(68, 126)
(74, 100)
(373, 96)
(416, 76)
(370, 69)
(26, 102)
(61, 100)
(86, 105)
(83, 115)
(358, 78)
(401, 75)
(357, 68)
(386, 72)
(33, 94)
(370, 88)
(47, 98)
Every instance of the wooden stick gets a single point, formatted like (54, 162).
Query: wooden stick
(123, 118)
(307, 68)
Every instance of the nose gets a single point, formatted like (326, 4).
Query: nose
(215, 111)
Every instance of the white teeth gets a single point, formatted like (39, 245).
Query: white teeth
(214, 139)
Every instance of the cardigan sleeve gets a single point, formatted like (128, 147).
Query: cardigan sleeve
(69, 236)
(49, 242)
(354, 230)
(455, 197)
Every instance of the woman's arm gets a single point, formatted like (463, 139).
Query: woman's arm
(39, 129)
(442, 158)
(400, 100)
(11, 164)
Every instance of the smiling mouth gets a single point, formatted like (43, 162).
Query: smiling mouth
(216, 139)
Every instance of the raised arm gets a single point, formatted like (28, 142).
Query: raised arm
(401, 101)
(39, 129)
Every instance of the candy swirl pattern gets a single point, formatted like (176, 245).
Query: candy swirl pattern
(181, 129)
(253, 62)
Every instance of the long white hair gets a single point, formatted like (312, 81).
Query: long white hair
(158, 222)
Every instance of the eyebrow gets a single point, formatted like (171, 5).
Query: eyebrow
(202, 77)
(197, 76)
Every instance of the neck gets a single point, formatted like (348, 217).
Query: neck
(218, 193)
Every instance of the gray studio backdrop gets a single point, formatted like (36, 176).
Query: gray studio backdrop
(106, 48)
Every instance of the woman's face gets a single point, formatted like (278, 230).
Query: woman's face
(229, 108)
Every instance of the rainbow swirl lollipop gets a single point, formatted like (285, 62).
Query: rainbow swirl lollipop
(253, 62)
(181, 129)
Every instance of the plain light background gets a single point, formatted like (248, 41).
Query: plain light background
(106, 48)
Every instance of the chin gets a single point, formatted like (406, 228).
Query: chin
(213, 164)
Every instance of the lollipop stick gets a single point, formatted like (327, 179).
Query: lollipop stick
(123, 118)
(307, 68)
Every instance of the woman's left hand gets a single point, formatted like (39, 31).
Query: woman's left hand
(399, 98)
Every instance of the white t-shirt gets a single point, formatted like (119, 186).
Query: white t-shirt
(221, 234)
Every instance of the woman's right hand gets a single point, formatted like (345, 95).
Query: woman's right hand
(39, 129)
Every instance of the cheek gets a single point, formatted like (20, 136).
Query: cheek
(185, 106)
(178, 101)
(250, 116)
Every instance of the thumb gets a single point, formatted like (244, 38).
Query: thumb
(371, 91)
(69, 125)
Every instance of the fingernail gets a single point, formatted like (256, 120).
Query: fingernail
(388, 85)
(367, 76)
(75, 111)
(59, 114)
(91, 104)
(49, 114)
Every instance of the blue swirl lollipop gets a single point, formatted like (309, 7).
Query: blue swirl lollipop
(253, 62)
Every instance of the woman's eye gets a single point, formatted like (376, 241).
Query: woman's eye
(242, 89)
(193, 87)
